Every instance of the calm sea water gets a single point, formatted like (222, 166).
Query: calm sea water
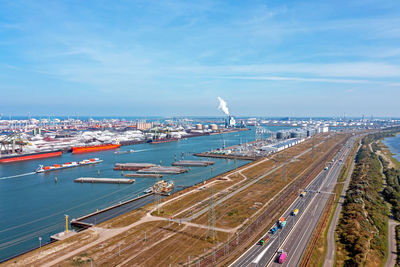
(393, 143)
(33, 205)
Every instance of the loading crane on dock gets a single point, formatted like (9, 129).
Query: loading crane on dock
(12, 143)
(261, 132)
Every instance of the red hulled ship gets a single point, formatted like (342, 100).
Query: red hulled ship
(30, 156)
(88, 149)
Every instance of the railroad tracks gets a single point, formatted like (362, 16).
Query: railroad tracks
(224, 252)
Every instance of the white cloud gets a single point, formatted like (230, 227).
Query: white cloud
(365, 70)
(299, 79)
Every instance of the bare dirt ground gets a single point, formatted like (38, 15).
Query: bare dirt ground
(162, 235)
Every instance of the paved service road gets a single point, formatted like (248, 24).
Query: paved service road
(331, 249)
(293, 238)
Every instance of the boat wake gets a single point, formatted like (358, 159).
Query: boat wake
(141, 150)
(16, 176)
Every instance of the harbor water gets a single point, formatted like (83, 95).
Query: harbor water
(393, 143)
(33, 206)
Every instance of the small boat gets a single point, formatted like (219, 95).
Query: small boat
(148, 190)
(162, 186)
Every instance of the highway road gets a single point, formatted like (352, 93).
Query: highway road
(331, 248)
(294, 237)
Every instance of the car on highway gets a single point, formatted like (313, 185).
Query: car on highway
(274, 229)
(281, 256)
(294, 213)
(263, 241)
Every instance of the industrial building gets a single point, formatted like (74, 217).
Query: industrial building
(230, 122)
(143, 126)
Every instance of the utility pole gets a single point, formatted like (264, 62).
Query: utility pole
(313, 147)
(158, 197)
(236, 167)
(211, 218)
(286, 169)
(66, 224)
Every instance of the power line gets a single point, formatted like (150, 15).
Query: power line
(211, 234)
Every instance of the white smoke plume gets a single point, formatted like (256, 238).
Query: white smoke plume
(223, 106)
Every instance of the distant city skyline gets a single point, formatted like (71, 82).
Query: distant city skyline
(174, 58)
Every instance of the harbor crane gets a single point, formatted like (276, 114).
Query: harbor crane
(261, 132)
(12, 143)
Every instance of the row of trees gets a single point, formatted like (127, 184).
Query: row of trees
(362, 229)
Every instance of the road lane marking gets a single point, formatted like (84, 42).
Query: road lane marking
(318, 182)
(259, 257)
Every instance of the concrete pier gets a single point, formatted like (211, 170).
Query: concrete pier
(132, 166)
(104, 180)
(100, 216)
(143, 175)
(163, 170)
(193, 163)
(226, 156)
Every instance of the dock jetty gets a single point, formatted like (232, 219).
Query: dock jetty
(104, 180)
(226, 156)
(100, 216)
(132, 166)
(162, 170)
(193, 163)
(148, 168)
(143, 175)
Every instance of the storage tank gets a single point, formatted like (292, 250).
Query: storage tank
(282, 135)
(294, 134)
(214, 127)
(310, 132)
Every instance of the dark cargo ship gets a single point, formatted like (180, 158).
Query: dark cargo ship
(162, 140)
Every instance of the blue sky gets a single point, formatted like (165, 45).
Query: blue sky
(143, 58)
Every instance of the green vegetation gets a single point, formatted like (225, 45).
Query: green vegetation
(362, 229)
(80, 260)
(392, 189)
(398, 244)
(319, 251)
(391, 193)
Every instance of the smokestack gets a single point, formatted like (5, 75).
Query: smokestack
(223, 106)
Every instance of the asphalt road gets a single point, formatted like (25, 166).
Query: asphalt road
(293, 238)
(331, 249)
